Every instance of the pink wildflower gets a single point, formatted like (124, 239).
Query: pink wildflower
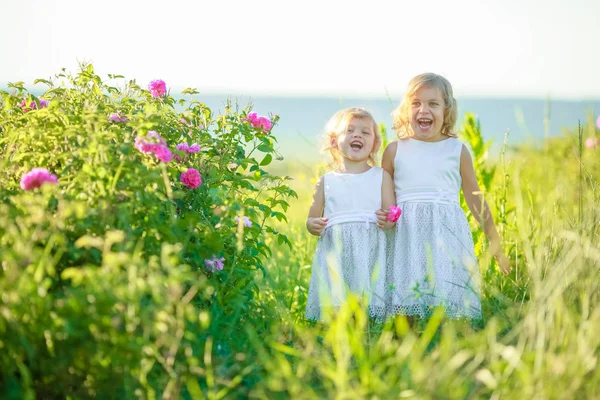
(216, 264)
(247, 222)
(157, 88)
(33, 105)
(598, 122)
(264, 123)
(36, 178)
(183, 147)
(260, 122)
(252, 117)
(195, 148)
(191, 178)
(154, 143)
(394, 214)
(184, 121)
(163, 154)
(114, 117)
(591, 143)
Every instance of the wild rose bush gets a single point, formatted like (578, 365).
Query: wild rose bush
(135, 250)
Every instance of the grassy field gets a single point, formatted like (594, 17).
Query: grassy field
(540, 334)
(119, 280)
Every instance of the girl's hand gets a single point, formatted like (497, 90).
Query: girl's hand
(382, 219)
(316, 225)
(502, 261)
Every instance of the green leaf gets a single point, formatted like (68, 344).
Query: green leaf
(251, 202)
(267, 160)
(44, 81)
(194, 388)
(190, 91)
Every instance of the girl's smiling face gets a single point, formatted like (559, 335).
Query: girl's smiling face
(356, 142)
(427, 114)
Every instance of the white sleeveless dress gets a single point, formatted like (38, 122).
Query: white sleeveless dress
(351, 253)
(432, 259)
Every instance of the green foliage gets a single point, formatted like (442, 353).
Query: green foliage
(104, 292)
(103, 281)
(540, 335)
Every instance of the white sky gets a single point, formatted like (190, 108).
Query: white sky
(490, 48)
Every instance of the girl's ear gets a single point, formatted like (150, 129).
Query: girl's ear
(333, 142)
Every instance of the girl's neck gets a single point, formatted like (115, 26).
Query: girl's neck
(437, 137)
(353, 167)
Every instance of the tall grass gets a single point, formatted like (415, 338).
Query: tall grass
(541, 332)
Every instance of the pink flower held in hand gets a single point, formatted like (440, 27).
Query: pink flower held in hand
(36, 178)
(157, 88)
(394, 214)
(191, 178)
(216, 264)
(247, 222)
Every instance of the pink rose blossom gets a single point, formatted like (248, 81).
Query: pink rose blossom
(591, 143)
(216, 264)
(394, 214)
(191, 178)
(157, 88)
(184, 121)
(36, 178)
(154, 143)
(114, 117)
(261, 122)
(264, 123)
(252, 117)
(183, 147)
(163, 154)
(247, 222)
(195, 148)
(33, 105)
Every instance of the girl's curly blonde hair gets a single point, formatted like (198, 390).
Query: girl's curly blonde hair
(401, 115)
(338, 123)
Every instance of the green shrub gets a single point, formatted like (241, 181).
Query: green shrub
(104, 284)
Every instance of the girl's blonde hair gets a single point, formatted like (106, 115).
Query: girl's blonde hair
(401, 115)
(339, 123)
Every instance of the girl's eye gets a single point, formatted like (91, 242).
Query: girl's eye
(415, 103)
(366, 133)
(434, 104)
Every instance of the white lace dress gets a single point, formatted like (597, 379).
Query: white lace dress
(350, 254)
(432, 259)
